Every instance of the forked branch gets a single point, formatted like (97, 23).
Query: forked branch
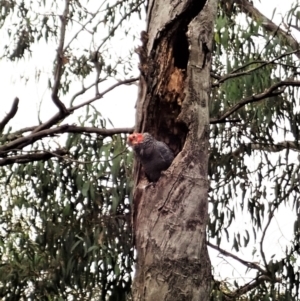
(66, 128)
(237, 73)
(264, 275)
(248, 8)
(10, 114)
(60, 60)
(274, 90)
(39, 156)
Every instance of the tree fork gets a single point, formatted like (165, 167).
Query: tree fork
(170, 217)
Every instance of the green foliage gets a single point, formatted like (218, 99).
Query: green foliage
(252, 170)
(65, 222)
(90, 28)
(65, 226)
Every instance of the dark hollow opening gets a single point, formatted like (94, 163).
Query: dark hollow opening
(181, 50)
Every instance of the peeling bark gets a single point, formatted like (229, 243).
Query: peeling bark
(170, 217)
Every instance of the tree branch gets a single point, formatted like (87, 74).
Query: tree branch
(268, 147)
(102, 132)
(83, 90)
(235, 73)
(20, 132)
(10, 114)
(214, 121)
(22, 159)
(124, 17)
(59, 61)
(66, 128)
(59, 117)
(262, 253)
(249, 286)
(83, 27)
(250, 265)
(123, 82)
(272, 91)
(276, 205)
(248, 8)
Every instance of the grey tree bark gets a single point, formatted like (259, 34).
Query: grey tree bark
(170, 217)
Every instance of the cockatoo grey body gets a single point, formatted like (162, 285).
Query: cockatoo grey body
(155, 156)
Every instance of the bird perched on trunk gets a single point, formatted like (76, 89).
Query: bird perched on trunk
(155, 156)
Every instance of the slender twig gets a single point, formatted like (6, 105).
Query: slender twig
(268, 147)
(265, 276)
(124, 82)
(295, 27)
(66, 128)
(249, 286)
(32, 157)
(83, 27)
(276, 205)
(23, 130)
(63, 112)
(88, 162)
(249, 9)
(235, 120)
(96, 60)
(262, 253)
(234, 73)
(270, 92)
(113, 29)
(250, 265)
(102, 132)
(84, 89)
(10, 114)
(60, 61)
(57, 117)
(246, 65)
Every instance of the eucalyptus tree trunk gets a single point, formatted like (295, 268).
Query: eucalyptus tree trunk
(170, 216)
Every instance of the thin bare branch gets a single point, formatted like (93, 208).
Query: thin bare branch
(248, 8)
(60, 60)
(249, 286)
(276, 205)
(262, 253)
(40, 156)
(274, 90)
(248, 264)
(123, 82)
(124, 17)
(59, 117)
(251, 265)
(22, 131)
(84, 89)
(10, 114)
(235, 120)
(83, 27)
(15, 136)
(48, 124)
(102, 132)
(66, 128)
(97, 81)
(268, 147)
(235, 72)
(65, 158)
(295, 27)
(96, 60)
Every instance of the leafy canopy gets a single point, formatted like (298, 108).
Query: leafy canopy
(65, 208)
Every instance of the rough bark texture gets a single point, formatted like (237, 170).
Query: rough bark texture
(170, 217)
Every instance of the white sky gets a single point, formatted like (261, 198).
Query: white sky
(119, 107)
